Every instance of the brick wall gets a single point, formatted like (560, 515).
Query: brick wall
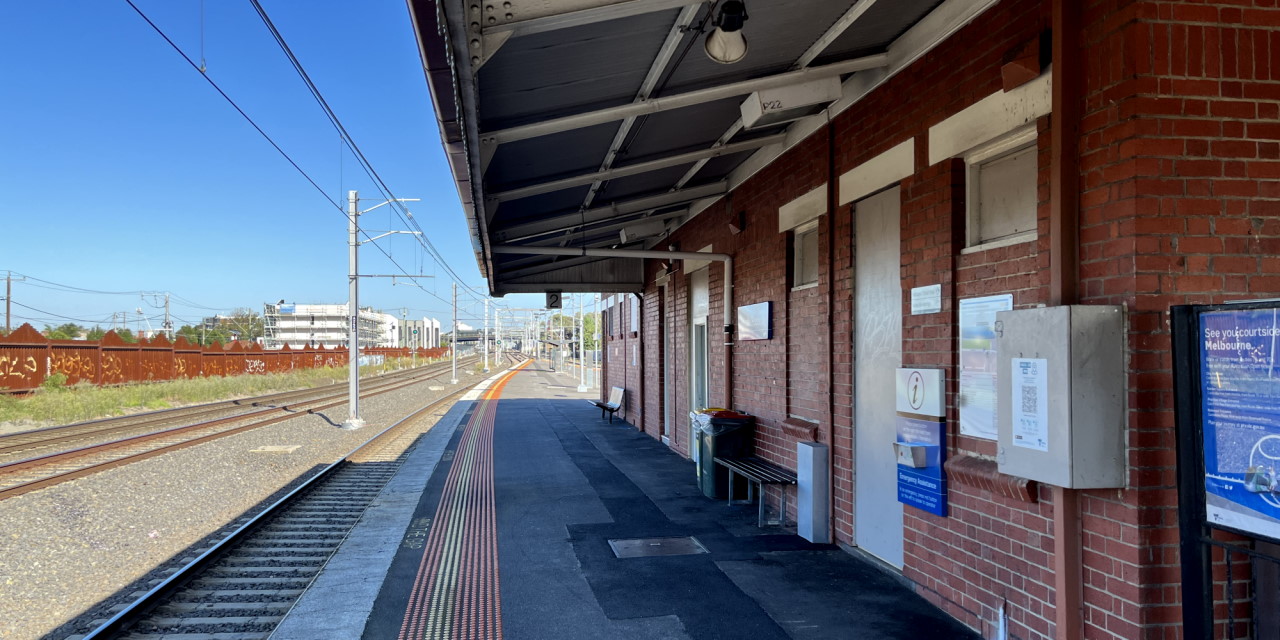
(1180, 161)
(1180, 203)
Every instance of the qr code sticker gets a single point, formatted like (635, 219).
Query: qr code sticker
(1029, 399)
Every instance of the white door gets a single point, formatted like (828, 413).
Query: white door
(668, 367)
(699, 304)
(877, 352)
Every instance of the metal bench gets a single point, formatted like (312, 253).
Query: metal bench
(616, 395)
(758, 472)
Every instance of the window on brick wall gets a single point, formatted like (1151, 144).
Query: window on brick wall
(1002, 179)
(804, 264)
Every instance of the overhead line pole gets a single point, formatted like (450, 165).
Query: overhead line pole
(582, 346)
(354, 421)
(8, 297)
(454, 349)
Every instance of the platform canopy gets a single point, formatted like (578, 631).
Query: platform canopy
(606, 124)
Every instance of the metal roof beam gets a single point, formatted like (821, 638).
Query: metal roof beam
(680, 100)
(504, 288)
(585, 16)
(833, 32)
(659, 64)
(635, 169)
(614, 226)
(611, 211)
(542, 266)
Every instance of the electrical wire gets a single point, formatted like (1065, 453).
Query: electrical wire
(259, 129)
(233, 104)
(406, 217)
(58, 286)
(403, 213)
(51, 314)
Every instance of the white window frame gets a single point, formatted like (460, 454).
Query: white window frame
(1016, 141)
(797, 259)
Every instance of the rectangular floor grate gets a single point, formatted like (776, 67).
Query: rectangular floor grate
(645, 547)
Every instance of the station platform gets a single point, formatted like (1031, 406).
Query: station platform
(499, 526)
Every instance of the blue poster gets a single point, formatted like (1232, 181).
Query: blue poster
(1240, 401)
(921, 481)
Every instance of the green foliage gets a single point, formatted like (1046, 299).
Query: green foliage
(204, 336)
(95, 333)
(127, 336)
(246, 323)
(68, 331)
(56, 381)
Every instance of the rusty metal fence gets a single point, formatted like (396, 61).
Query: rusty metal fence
(28, 359)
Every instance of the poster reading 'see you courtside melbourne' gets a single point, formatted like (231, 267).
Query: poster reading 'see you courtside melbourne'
(1240, 391)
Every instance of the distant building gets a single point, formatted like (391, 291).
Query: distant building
(422, 334)
(300, 325)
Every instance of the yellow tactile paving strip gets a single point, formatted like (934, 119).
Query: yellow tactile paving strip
(455, 595)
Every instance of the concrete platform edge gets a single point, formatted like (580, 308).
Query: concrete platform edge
(338, 602)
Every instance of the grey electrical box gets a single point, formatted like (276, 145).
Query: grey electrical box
(1060, 394)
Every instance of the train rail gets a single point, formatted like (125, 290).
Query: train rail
(242, 586)
(103, 444)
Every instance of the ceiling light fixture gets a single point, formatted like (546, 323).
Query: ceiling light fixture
(726, 43)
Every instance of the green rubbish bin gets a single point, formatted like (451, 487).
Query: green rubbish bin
(727, 434)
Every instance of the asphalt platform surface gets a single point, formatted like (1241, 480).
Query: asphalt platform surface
(565, 483)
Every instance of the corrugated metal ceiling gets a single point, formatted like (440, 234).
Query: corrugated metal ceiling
(524, 62)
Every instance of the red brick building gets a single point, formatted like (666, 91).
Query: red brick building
(1105, 152)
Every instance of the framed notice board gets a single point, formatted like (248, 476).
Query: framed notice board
(1226, 366)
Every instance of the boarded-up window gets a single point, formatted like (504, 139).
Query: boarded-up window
(1003, 192)
(804, 267)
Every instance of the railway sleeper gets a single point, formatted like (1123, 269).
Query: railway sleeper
(222, 608)
(177, 625)
(305, 533)
(316, 519)
(263, 572)
(275, 561)
(235, 595)
(283, 544)
(256, 584)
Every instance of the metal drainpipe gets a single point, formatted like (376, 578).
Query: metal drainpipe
(728, 336)
(1063, 288)
(832, 209)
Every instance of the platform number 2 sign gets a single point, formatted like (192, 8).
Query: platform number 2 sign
(553, 299)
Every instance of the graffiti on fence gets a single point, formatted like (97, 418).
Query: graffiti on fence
(112, 368)
(113, 361)
(152, 370)
(76, 365)
(17, 367)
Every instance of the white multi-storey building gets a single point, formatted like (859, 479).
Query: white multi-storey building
(420, 334)
(300, 325)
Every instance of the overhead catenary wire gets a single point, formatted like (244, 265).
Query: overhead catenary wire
(233, 104)
(367, 166)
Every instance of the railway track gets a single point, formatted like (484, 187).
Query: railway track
(77, 450)
(242, 586)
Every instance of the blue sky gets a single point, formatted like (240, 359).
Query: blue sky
(123, 170)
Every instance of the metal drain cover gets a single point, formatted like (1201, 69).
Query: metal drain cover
(643, 547)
